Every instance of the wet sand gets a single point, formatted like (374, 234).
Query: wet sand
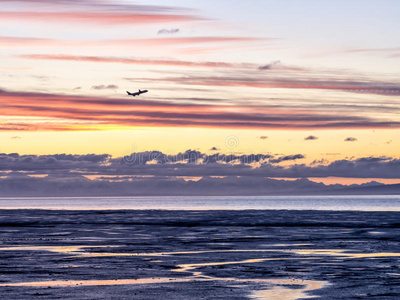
(156, 254)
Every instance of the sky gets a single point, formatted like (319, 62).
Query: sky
(287, 90)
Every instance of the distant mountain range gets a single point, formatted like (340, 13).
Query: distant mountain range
(381, 189)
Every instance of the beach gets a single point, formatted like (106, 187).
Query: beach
(170, 254)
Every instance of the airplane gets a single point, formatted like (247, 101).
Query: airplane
(137, 93)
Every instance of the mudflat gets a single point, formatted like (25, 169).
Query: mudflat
(169, 254)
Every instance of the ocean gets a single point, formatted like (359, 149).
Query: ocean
(329, 203)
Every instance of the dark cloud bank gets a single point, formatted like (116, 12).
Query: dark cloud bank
(188, 173)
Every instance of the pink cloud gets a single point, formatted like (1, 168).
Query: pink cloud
(101, 18)
(16, 41)
(221, 43)
(389, 52)
(192, 40)
(381, 88)
(93, 5)
(179, 63)
(64, 112)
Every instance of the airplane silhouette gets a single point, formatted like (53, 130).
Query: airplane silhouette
(137, 93)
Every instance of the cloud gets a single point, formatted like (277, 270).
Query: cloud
(214, 149)
(71, 112)
(16, 162)
(193, 156)
(26, 41)
(388, 52)
(94, 5)
(137, 61)
(96, 12)
(341, 83)
(218, 165)
(168, 31)
(220, 43)
(146, 173)
(105, 87)
(287, 158)
(263, 137)
(15, 137)
(311, 138)
(350, 139)
(269, 66)
(372, 50)
(98, 18)
(194, 163)
(183, 41)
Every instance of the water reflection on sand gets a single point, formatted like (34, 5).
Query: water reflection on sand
(57, 249)
(67, 283)
(79, 251)
(267, 288)
(285, 293)
(274, 288)
(343, 253)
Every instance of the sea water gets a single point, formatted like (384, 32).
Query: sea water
(340, 203)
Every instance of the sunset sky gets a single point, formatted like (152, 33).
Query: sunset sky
(313, 86)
